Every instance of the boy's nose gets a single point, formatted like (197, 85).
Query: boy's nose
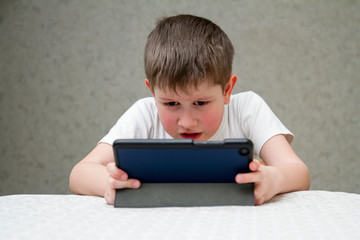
(187, 120)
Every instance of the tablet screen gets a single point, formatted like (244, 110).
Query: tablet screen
(180, 165)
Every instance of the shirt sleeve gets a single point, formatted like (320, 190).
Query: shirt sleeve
(136, 122)
(259, 123)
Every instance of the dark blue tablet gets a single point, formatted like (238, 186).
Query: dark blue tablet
(183, 173)
(183, 160)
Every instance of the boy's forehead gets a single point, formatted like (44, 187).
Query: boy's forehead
(202, 90)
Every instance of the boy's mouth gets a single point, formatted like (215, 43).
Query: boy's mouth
(191, 135)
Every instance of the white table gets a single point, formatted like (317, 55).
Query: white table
(299, 215)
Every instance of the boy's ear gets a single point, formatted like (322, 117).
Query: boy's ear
(149, 87)
(229, 87)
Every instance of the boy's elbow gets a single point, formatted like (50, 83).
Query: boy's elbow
(72, 181)
(306, 178)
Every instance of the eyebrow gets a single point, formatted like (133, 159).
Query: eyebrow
(201, 98)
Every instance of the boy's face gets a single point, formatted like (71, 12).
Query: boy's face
(196, 115)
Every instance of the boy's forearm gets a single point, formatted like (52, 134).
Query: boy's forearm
(293, 177)
(88, 178)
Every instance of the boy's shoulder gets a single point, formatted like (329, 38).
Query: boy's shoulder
(146, 100)
(245, 97)
(246, 102)
(145, 104)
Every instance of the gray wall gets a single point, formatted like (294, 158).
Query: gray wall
(69, 69)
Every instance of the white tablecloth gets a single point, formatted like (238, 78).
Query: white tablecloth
(299, 215)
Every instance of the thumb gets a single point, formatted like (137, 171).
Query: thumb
(254, 165)
(116, 172)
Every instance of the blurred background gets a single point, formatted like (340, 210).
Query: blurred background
(69, 69)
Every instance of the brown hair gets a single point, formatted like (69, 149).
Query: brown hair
(184, 51)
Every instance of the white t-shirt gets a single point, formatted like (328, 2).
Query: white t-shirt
(246, 116)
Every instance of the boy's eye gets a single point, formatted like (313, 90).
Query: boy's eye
(171, 104)
(200, 103)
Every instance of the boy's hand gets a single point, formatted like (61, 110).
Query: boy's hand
(117, 179)
(265, 179)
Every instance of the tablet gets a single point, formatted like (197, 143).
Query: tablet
(181, 172)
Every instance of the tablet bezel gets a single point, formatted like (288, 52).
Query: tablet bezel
(203, 162)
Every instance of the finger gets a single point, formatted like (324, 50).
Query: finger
(248, 177)
(259, 200)
(133, 183)
(116, 172)
(254, 165)
(117, 184)
(109, 196)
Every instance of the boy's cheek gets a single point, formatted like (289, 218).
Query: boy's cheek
(212, 119)
(168, 121)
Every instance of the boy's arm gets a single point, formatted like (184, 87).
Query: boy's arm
(97, 174)
(89, 176)
(284, 171)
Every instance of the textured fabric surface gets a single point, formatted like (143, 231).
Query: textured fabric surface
(299, 215)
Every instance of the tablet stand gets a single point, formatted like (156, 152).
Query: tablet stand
(185, 195)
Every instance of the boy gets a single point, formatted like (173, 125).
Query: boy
(188, 62)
